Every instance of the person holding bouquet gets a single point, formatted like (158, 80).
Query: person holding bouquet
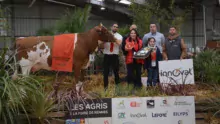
(133, 44)
(151, 62)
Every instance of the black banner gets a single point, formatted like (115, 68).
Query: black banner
(91, 109)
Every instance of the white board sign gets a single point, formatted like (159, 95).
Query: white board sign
(176, 71)
(153, 110)
(91, 57)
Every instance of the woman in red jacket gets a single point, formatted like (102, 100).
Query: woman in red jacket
(133, 44)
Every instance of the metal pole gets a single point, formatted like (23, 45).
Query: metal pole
(204, 23)
(193, 30)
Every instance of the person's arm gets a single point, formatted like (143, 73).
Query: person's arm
(162, 40)
(119, 40)
(160, 57)
(144, 40)
(164, 52)
(183, 48)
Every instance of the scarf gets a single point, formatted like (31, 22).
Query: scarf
(173, 37)
(154, 47)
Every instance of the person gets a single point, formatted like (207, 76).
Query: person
(159, 37)
(174, 47)
(111, 58)
(133, 26)
(133, 44)
(151, 62)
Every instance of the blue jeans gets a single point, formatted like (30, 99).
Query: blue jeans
(152, 76)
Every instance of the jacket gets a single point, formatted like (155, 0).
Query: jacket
(123, 44)
(147, 63)
(129, 56)
(174, 48)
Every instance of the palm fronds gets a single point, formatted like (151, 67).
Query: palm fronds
(74, 21)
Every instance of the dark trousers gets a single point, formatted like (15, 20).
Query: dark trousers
(134, 74)
(152, 76)
(111, 61)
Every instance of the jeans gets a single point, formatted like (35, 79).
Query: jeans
(134, 74)
(113, 62)
(152, 76)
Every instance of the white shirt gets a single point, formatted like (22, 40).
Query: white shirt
(115, 48)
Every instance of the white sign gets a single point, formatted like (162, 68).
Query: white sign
(176, 71)
(91, 57)
(153, 110)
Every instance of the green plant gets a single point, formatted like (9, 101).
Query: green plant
(74, 21)
(13, 92)
(123, 30)
(159, 11)
(45, 32)
(39, 105)
(207, 66)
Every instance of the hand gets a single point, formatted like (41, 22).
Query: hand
(127, 49)
(166, 59)
(181, 58)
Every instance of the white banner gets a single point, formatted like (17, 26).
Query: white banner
(153, 110)
(176, 71)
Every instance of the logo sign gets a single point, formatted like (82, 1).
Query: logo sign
(75, 121)
(186, 113)
(159, 115)
(180, 122)
(182, 103)
(121, 105)
(106, 122)
(138, 115)
(164, 103)
(150, 104)
(91, 109)
(176, 71)
(135, 104)
(121, 115)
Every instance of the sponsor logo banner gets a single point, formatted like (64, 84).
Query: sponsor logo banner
(176, 71)
(155, 110)
(139, 110)
(106, 120)
(91, 109)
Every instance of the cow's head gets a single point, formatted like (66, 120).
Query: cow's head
(104, 34)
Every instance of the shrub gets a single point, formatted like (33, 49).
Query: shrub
(207, 66)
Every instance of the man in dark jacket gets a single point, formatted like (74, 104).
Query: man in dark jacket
(174, 47)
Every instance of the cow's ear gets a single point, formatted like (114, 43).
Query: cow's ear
(98, 29)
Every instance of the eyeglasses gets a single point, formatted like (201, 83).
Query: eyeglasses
(115, 26)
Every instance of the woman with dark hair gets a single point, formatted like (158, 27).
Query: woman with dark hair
(151, 62)
(133, 44)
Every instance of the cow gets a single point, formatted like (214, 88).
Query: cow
(35, 53)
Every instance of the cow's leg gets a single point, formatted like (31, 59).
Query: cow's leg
(57, 83)
(26, 66)
(82, 75)
(77, 69)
